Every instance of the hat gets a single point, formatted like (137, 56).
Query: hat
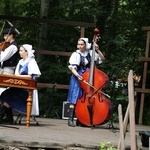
(9, 31)
(29, 49)
(86, 40)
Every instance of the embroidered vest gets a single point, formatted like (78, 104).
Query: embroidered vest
(82, 65)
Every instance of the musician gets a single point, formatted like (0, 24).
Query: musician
(16, 97)
(79, 62)
(9, 57)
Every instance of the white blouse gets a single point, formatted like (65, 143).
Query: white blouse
(75, 58)
(9, 52)
(32, 67)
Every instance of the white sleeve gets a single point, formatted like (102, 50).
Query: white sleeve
(9, 52)
(97, 58)
(74, 60)
(33, 68)
(17, 68)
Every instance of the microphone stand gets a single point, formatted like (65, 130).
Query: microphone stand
(110, 125)
(114, 77)
(8, 126)
(50, 106)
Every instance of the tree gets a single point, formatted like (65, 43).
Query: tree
(119, 22)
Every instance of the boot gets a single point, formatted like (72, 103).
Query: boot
(71, 117)
(3, 112)
(9, 116)
(78, 123)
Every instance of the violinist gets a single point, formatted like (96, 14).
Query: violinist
(9, 56)
(79, 62)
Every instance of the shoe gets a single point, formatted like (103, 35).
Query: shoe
(71, 117)
(3, 112)
(8, 118)
(71, 122)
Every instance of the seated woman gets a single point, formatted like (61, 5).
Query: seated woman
(16, 97)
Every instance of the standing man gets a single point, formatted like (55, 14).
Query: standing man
(9, 57)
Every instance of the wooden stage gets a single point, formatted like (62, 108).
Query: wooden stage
(55, 134)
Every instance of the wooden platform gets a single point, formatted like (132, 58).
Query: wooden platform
(56, 134)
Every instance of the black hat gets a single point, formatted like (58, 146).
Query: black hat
(9, 31)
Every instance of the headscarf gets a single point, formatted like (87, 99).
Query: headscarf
(86, 40)
(29, 49)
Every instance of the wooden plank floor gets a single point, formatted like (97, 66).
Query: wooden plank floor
(56, 134)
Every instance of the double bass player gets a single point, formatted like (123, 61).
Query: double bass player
(79, 62)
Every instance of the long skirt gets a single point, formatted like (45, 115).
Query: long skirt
(75, 92)
(15, 98)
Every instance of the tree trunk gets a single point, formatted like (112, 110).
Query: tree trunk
(43, 29)
(115, 15)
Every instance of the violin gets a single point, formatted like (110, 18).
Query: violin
(4, 45)
(93, 108)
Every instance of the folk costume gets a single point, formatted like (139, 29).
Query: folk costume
(9, 57)
(16, 97)
(81, 62)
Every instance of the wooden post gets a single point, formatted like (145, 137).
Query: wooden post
(29, 107)
(144, 78)
(121, 145)
(125, 123)
(131, 110)
(82, 31)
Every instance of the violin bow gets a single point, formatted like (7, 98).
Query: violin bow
(94, 87)
(2, 28)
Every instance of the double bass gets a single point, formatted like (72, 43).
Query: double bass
(93, 108)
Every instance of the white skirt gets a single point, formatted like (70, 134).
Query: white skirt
(35, 104)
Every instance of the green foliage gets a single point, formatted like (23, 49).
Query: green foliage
(106, 146)
(123, 41)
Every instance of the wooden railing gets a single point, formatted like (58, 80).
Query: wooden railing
(82, 26)
(55, 53)
(143, 90)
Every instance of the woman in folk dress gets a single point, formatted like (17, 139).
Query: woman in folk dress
(16, 97)
(79, 63)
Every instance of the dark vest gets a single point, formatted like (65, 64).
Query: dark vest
(82, 65)
(12, 61)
